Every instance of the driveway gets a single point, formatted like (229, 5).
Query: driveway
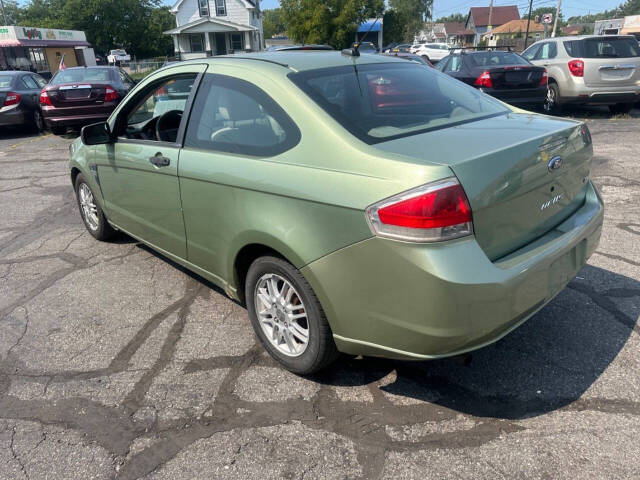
(117, 363)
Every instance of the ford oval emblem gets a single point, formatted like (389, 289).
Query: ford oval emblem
(555, 164)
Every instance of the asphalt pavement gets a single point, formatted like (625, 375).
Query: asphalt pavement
(117, 363)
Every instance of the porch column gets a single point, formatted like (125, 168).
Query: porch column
(248, 44)
(176, 46)
(208, 48)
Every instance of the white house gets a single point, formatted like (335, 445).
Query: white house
(216, 27)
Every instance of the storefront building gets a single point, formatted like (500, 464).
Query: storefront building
(41, 49)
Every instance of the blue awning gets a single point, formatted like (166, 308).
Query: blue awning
(365, 26)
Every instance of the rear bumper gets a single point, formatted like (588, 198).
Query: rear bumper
(74, 120)
(579, 93)
(529, 96)
(412, 301)
(12, 117)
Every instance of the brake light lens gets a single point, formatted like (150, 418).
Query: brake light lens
(431, 213)
(544, 81)
(586, 134)
(484, 80)
(110, 95)
(576, 67)
(45, 100)
(11, 99)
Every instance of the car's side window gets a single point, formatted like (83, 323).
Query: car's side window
(41, 82)
(29, 82)
(235, 116)
(157, 111)
(454, 65)
(126, 79)
(442, 64)
(547, 51)
(530, 53)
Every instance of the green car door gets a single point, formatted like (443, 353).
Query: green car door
(138, 172)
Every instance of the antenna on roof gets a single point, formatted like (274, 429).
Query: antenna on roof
(353, 52)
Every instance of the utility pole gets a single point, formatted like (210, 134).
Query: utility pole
(490, 27)
(555, 22)
(4, 14)
(526, 36)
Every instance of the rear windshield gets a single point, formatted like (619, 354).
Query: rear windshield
(5, 81)
(380, 102)
(606, 47)
(491, 59)
(77, 75)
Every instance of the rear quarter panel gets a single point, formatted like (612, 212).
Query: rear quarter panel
(304, 203)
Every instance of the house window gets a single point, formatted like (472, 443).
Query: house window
(236, 41)
(204, 8)
(221, 7)
(197, 44)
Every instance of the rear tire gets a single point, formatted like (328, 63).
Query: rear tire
(38, 121)
(268, 310)
(91, 212)
(620, 108)
(552, 105)
(58, 130)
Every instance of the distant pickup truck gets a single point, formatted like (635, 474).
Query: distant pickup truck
(116, 56)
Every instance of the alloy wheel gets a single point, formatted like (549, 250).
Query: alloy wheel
(550, 101)
(282, 314)
(88, 206)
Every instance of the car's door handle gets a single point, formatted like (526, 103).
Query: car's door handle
(159, 160)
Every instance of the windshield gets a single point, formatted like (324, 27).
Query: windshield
(490, 59)
(379, 102)
(605, 47)
(77, 75)
(5, 81)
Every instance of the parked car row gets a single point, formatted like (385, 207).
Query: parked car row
(73, 97)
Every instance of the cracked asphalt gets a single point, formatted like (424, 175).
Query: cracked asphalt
(117, 363)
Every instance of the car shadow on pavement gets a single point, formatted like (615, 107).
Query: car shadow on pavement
(547, 363)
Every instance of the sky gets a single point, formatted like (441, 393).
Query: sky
(570, 8)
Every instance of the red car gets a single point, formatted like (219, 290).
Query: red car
(82, 95)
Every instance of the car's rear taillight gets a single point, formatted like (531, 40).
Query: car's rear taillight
(484, 80)
(431, 213)
(45, 99)
(545, 78)
(110, 95)
(576, 67)
(11, 99)
(586, 134)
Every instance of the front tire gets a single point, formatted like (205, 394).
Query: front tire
(287, 316)
(91, 212)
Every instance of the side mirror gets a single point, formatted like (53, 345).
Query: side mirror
(96, 134)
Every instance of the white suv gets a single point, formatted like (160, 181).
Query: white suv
(434, 52)
(590, 70)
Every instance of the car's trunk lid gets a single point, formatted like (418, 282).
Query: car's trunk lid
(515, 77)
(503, 164)
(77, 94)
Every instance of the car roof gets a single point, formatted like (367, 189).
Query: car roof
(581, 37)
(299, 60)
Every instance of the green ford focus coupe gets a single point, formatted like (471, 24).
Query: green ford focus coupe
(365, 205)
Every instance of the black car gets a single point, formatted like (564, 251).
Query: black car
(501, 74)
(82, 95)
(19, 99)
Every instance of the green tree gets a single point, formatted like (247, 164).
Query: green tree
(11, 12)
(273, 22)
(411, 14)
(456, 17)
(136, 25)
(332, 22)
(630, 7)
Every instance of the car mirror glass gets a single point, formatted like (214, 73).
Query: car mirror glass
(96, 134)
